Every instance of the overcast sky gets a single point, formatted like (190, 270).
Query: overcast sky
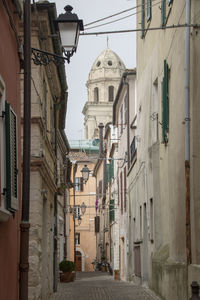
(90, 47)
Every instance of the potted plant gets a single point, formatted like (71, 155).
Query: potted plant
(67, 269)
(116, 275)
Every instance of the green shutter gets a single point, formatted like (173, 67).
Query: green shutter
(148, 10)
(165, 104)
(143, 19)
(112, 169)
(107, 173)
(11, 158)
(112, 210)
(163, 12)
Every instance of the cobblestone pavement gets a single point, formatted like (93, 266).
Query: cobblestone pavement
(100, 286)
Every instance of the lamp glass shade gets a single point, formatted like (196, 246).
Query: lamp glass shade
(69, 34)
(85, 173)
(83, 208)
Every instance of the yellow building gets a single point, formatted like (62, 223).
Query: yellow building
(83, 195)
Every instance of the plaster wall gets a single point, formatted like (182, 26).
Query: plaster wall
(164, 164)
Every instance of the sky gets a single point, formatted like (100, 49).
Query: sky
(90, 47)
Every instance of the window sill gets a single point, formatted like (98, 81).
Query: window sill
(4, 215)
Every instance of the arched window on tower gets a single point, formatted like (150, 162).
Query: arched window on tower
(111, 93)
(96, 94)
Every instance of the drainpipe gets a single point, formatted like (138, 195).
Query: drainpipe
(128, 122)
(25, 225)
(74, 211)
(55, 261)
(187, 131)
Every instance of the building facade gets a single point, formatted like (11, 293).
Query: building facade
(167, 194)
(10, 148)
(82, 229)
(50, 168)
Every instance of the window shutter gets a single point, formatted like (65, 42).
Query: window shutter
(111, 211)
(81, 184)
(107, 173)
(124, 188)
(97, 223)
(163, 12)
(148, 10)
(165, 104)
(112, 168)
(143, 19)
(11, 158)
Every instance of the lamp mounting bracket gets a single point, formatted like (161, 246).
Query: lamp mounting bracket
(41, 57)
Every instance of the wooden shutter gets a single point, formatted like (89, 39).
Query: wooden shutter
(112, 211)
(121, 192)
(125, 189)
(81, 184)
(112, 168)
(165, 104)
(163, 12)
(97, 223)
(148, 10)
(11, 158)
(143, 19)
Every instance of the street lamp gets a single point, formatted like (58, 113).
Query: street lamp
(69, 26)
(83, 208)
(85, 173)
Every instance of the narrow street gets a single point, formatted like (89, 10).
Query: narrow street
(96, 286)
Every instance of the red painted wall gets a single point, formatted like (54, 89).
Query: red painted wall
(9, 231)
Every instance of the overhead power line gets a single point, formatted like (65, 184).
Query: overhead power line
(114, 15)
(133, 14)
(140, 29)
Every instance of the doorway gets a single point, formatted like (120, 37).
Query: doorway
(78, 261)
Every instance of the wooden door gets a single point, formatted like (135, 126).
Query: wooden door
(78, 261)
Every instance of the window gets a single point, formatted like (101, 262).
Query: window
(165, 104)
(44, 103)
(121, 192)
(96, 94)
(9, 167)
(149, 10)
(111, 93)
(122, 119)
(143, 19)
(125, 189)
(100, 188)
(126, 109)
(163, 12)
(154, 113)
(77, 238)
(79, 184)
(112, 211)
(151, 219)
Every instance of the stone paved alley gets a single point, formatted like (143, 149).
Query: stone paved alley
(97, 285)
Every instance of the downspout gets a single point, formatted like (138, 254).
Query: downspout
(74, 210)
(55, 263)
(25, 225)
(187, 132)
(128, 123)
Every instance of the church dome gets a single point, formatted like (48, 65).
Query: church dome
(107, 64)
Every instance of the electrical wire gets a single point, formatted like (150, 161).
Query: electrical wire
(136, 13)
(111, 16)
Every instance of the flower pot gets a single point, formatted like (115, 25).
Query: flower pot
(116, 275)
(67, 276)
